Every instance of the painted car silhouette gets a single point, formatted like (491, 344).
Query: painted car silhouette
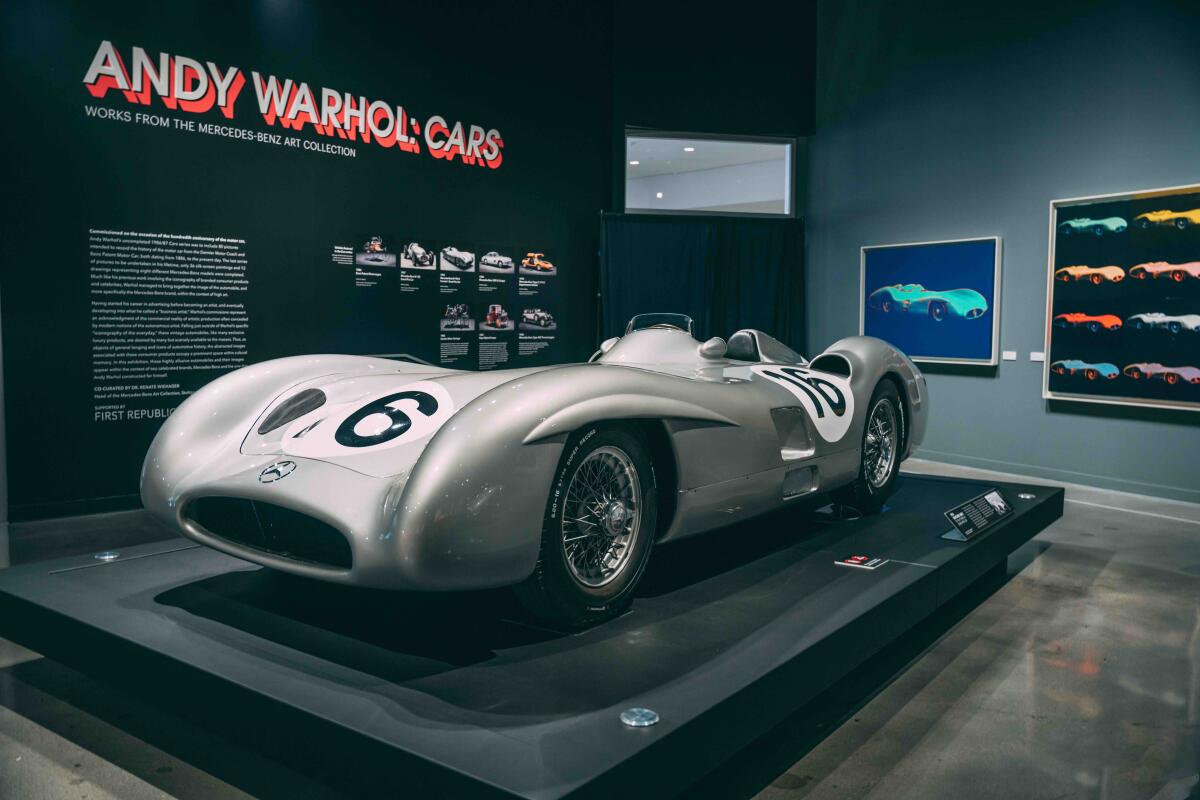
(536, 261)
(1180, 219)
(1089, 225)
(1093, 322)
(1172, 375)
(1162, 269)
(915, 298)
(1172, 323)
(1073, 366)
(1080, 272)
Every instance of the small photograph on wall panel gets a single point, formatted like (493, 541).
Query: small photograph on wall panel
(374, 252)
(936, 301)
(1123, 299)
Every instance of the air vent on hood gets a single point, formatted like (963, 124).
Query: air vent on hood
(291, 409)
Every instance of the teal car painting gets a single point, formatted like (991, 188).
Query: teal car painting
(913, 298)
(1098, 227)
(1073, 366)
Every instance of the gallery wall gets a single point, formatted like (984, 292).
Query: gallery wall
(154, 242)
(696, 66)
(948, 120)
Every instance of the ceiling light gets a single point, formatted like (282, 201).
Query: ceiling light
(689, 149)
(634, 163)
(658, 195)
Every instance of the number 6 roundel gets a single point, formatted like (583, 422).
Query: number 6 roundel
(826, 398)
(400, 415)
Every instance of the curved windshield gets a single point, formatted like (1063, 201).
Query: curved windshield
(678, 321)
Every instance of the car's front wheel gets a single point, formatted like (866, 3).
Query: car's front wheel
(937, 310)
(879, 461)
(597, 530)
(1181, 223)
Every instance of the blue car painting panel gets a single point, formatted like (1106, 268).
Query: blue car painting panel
(943, 302)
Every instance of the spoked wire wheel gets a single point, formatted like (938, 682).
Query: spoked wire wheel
(881, 443)
(601, 517)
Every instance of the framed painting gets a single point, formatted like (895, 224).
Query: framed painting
(1123, 299)
(936, 301)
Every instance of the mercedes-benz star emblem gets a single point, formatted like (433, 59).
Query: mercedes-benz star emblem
(277, 471)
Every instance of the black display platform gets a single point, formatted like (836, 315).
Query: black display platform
(455, 695)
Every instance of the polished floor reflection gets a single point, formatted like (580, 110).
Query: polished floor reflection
(1075, 676)
(1078, 678)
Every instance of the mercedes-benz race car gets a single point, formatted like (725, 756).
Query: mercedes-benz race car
(494, 260)
(1172, 323)
(1156, 371)
(458, 258)
(1161, 269)
(417, 255)
(374, 245)
(916, 299)
(1180, 219)
(537, 316)
(1096, 226)
(1081, 272)
(1093, 322)
(554, 480)
(1073, 366)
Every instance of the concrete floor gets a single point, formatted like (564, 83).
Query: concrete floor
(1077, 675)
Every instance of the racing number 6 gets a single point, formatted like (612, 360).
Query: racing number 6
(427, 404)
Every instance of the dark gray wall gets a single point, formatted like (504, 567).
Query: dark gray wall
(947, 120)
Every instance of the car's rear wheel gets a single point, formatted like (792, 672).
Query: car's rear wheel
(937, 310)
(1181, 223)
(1178, 276)
(886, 306)
(1098, 230)
(879, 460)
(1091, 374)
(1174, 327)
(597, 530)
(1097, 277)
(1134, 373)
(1144, 223)
(1171, 378)
(1093, 326)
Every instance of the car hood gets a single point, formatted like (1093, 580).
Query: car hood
(376, 424)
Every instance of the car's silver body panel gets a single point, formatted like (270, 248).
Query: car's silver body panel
(458, 501)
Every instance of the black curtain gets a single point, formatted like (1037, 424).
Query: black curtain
(725, 273)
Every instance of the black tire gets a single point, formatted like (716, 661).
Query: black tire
(554, 592)
(1144, 224)
(864, 495)
(1181, 223)
(938, 310)
(1099, 230)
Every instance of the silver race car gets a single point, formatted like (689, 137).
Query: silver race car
(554, 480)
